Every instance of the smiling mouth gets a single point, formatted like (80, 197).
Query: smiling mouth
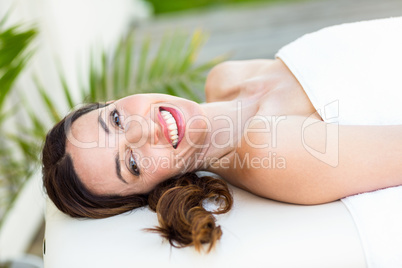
(173, 125)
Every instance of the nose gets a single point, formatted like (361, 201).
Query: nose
(136, 131)
(140, 131)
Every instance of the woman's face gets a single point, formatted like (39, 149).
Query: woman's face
(134, 143)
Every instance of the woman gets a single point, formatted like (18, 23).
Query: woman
(267, 127)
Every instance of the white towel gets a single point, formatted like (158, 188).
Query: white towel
(358, 67)
(378, 217)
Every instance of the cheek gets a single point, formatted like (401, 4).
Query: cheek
(196, 130)
(158, 167)
(152, 179)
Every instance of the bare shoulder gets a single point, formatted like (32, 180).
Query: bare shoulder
(225, 79)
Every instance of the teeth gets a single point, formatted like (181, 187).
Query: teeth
(172, 126)
(170, 120)
(173, 132)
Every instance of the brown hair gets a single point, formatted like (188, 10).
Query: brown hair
(178, 201)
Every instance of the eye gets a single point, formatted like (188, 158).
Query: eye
(132, 165)
(115, 117)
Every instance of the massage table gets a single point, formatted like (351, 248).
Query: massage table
(257, 232)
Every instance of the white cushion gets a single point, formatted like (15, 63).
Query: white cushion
(257, 232)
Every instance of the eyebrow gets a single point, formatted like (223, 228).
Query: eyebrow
(116, 159)
(118, 170)
(103, 124)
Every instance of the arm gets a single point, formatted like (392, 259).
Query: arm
(357, 159)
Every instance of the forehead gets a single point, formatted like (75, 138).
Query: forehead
(84, 128)
(92, 157)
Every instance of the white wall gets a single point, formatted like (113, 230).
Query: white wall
(68, 30)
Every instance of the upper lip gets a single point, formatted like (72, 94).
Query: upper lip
(179, 122)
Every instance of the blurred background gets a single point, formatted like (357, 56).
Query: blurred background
(55, 55)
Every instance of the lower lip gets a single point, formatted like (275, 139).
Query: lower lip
(179, 122)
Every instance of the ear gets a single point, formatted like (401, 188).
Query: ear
(109, 102)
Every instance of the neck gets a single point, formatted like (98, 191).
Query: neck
(227, 119)
(226, 124)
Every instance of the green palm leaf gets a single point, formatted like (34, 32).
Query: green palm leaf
(14, 56)
(172, 69)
